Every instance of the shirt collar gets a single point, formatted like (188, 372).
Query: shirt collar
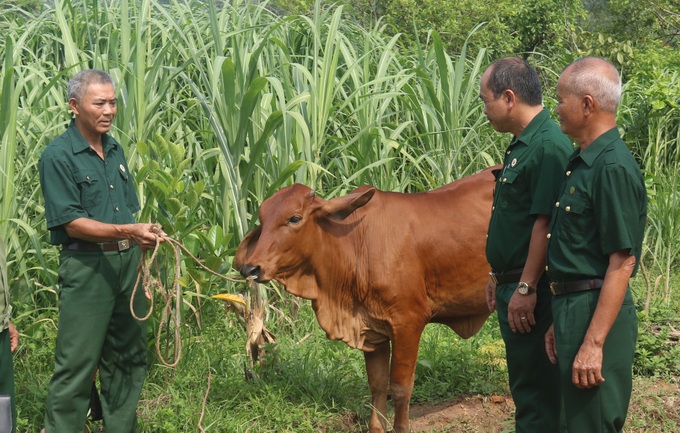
(532, 128)
(79, 144)
(590, 153)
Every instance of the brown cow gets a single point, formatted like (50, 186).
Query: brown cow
(378, 267)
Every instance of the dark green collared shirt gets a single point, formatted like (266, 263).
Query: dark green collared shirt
(602, 208)
(77, 183)
(526, 187)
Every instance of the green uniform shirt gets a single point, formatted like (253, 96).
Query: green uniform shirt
(602, 209)
(77, 183)
(526, 187)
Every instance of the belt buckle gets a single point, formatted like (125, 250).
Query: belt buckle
(493, 277)
(553, 288)
(124, 245)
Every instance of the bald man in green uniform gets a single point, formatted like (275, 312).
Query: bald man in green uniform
(90, 201)
(594, 248)
(524, 195)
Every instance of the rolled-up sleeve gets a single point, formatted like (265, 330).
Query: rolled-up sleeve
(62, 196)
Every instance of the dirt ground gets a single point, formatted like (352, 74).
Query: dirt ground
(655, 408)
(470, 414)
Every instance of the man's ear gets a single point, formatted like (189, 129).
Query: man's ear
(74, 105)
(509, 96)
(588, 103)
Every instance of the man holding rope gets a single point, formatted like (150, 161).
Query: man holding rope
(90, 200)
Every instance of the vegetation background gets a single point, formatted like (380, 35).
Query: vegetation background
(222, 103)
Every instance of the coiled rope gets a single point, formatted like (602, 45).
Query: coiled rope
(168, 314)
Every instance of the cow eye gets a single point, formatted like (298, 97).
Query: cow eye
(294, 219)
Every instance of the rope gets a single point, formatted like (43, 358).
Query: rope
(148, 282)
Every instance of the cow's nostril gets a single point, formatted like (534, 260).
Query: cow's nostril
(250, 271)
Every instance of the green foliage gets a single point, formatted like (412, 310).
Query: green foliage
(652, 129)
(510, 27)
(620, 53)
(446, 368)
(446, 113)
(654, 407)
(17, 12)
(654, 20)
(656, 353)
(543, 25)
(307, 383)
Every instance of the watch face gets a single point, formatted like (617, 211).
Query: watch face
(523, 288)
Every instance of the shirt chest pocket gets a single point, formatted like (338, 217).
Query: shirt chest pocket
(89, 184)
(508, 187)
(577, 215)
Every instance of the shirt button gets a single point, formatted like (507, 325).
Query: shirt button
(493, 208)
(116, 209)
(509, 152)
(546, 268)
(568, 172)
(557, 204)
(548, 235)
(568, 208)
(505, 179)
(111, 186)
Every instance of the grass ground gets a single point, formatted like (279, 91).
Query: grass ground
(309, 384)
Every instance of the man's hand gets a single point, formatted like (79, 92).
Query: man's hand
(146, 235)
(587, 369)
(491, 295)
(521, 312)
(13, 337)
(550, 346)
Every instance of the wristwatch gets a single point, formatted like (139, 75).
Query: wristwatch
(525, 289)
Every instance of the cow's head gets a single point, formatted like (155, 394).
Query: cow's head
(293, 223)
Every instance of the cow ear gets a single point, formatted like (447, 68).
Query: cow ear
(340, 208)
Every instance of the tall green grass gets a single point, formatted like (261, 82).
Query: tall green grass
(652, 117)
(259, 99)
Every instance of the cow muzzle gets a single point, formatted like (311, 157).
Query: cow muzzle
(250, 271)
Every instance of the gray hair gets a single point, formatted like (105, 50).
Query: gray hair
(79, 83)
(596, 77)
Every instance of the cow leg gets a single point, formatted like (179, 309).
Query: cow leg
(377, 370)
(404, 357)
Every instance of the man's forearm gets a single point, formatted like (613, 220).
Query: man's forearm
(536, 258)
(96, 231)
(613, 290)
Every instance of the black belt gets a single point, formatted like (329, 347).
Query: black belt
(123, 245)
(506, 277)
(565, 287)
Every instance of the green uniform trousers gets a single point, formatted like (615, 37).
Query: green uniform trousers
(534, 380)
(7, 374)
(601, 409)
(96, 329)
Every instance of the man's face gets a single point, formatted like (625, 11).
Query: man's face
(568, 109)
(496, 109)
(96, 109)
